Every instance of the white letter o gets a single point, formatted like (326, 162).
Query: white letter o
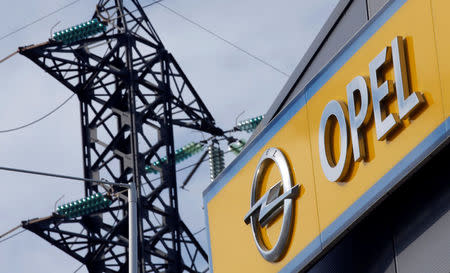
(334, 171)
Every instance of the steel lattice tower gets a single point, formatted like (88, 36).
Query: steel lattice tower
(131, 92)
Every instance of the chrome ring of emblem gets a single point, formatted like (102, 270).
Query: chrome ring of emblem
(274, 254)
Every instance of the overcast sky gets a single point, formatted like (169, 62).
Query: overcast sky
(228, 81)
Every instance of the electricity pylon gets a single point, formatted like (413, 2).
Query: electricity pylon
(132, 92)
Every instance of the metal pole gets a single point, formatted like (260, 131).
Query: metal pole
(132, 229)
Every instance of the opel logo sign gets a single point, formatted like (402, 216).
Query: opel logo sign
(278, 199)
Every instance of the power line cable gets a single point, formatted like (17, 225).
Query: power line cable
(131, 12)
(38, 20)
(12, 236)
(63, 176)
(39, 119)
(184, 168)
(224, 40)
(148, 5)
(198, 231)
(44, 116)
(195, 233)
(76, 270)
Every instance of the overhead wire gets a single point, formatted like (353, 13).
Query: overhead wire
(76, 270)
(39, 19)
(63, 176)
(131, 12)
(39, 119)
(12, 236)
(259, 59)
(44, 116)
(186, 167)
(9, 56)
(195, 233)
(198, 231)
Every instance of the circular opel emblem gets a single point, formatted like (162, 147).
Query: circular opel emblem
(278, 199)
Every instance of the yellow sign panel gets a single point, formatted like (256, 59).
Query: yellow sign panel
(323, 209)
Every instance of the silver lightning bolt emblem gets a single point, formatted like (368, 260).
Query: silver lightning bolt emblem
(271, 204)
